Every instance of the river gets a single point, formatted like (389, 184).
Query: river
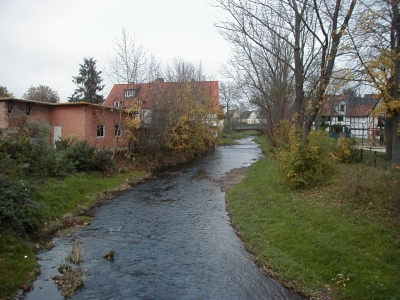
(172, 239)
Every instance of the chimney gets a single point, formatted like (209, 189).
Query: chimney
(160, 79)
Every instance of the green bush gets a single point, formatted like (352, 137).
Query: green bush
(85, 157)
(35, 157)
(305, 165)
(29, 157)
(17, 209)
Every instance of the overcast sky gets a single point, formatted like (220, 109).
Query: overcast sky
(44, 41)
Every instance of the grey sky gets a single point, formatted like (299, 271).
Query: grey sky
(44, 41)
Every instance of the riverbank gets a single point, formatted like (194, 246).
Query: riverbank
(65, 204)
(340, 241)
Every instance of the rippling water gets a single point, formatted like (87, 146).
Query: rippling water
(172, 240)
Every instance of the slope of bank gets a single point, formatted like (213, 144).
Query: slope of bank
(340, 241)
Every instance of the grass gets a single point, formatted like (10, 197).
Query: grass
(341, 239)
(18, 264)
(58, 198)
(76, 255)
(229, 138)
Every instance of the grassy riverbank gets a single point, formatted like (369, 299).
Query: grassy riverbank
(228, 139)
(340, 241)
(58, 198)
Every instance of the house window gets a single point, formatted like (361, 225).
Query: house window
(342, 106)
(117, 104)
(340, 118)
(130, 93)
(101, 130)
(117, 130)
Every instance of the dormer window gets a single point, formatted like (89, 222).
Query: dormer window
(130, 93)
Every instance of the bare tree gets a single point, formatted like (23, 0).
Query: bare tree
(265, 79)
(129, 61)
(128, 66)
(229, 94)
(183, 71)
(312, 29)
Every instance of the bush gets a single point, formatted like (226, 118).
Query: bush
(345, 151)
(17, 209)
(26, 157)
(82, 157)
(35, 157)
(306, 165)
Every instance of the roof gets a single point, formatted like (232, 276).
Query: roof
(246, 114)
(56, 104)
(355, 106)
(148, 93)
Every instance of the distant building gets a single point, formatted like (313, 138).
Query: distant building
(249, 117)
(232, 116)
(351, 116)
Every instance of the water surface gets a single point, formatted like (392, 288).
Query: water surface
(172, 239)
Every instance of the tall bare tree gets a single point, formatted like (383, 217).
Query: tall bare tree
(312, 29)
(180, 70)
(131, 65)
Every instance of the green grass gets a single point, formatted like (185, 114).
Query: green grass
(230, 138)
(307, 238)
(58, 198)
(17, 264)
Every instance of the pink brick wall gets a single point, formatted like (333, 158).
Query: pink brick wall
(82, 121)
(18, 121)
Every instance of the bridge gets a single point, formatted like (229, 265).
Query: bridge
(245, 127)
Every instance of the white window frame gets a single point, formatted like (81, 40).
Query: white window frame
(103, 131)
(130, 93)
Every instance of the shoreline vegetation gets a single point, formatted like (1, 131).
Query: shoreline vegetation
(336, 241)
(323, 243)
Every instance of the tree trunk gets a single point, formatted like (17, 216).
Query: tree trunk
(395, 140)
(389, 137)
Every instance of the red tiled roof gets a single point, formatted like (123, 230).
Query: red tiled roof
(149, 93)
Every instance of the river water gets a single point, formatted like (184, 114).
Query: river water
(172, 240)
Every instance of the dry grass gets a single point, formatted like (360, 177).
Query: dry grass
(76, 255)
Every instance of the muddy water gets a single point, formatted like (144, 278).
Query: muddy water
(172, 240)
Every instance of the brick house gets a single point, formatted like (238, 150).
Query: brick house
(156, 100)
(150, 96)
(96, 124)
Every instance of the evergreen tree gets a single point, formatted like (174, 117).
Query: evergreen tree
(88, 82)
